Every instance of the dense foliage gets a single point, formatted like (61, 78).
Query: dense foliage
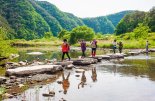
(52, 21)
(67, 21)
(150, 19)
(129, 22)
(30, 19)
(115, 18)
(100, 24)
(81, 32)
(5, 48)
(132, 20)
(23, 18)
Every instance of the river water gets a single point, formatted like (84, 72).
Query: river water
(129, 79)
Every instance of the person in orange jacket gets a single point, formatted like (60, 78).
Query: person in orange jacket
(65, 49)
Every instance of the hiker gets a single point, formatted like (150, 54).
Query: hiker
(65, 82)
(93, 46)
(147, 46)
(83, 80)
(114, 46)
(83, 47)
(94, 75)
(120, 47)
(65, 49)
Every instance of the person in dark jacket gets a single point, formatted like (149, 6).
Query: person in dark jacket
(83, 48)
(120, 47)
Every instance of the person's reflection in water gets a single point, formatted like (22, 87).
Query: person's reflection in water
(94, 75)
(65, 82)
(115, 69)
(83, 80)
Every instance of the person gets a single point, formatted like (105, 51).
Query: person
(114, 46)
(65, 49)
(120, 47)
(83, 48)
(83, 80)
(94, 75)
(93, 46)
(147, 46)
(65, 82)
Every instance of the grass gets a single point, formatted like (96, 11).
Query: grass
(2, 91)
(103, 42)
(53, 41)
(2, 71)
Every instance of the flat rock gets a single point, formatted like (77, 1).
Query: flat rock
(134, 53)
(103, 56)
(84, 61)
(35, 53)
(69, 66)
(42, 77)
(152, 50)
(30, 70)
(116, 56)
(65, 63)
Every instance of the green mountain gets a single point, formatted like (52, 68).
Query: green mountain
(66, 20)
(100, 24)
(130, 22)
(115, 18)
(30, 19)
(5, 25)
(52, 21)
(23, 18)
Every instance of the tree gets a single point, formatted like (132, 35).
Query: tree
(47, 35)
(3, 33)
(130, 22)
(141, 31)
(151, 19)
(64, 34)
(81, 32)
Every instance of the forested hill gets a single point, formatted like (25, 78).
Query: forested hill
(30, 19)
(131, 21)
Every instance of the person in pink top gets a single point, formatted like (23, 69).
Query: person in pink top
(93, 46)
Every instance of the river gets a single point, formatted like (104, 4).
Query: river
(128, 79)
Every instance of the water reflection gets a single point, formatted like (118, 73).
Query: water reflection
(94, 75)
(129, 79)
(83, 80)
(65, 82)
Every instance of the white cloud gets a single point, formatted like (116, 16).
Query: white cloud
(93, 8)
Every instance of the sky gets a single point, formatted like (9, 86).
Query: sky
(94, 8)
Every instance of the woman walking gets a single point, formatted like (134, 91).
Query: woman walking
(65, 49)
(93, 46)
(83, 48)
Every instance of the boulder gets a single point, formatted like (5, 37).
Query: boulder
(2, 80)
(30, 70)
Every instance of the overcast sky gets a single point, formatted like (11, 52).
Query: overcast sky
(93, 8)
